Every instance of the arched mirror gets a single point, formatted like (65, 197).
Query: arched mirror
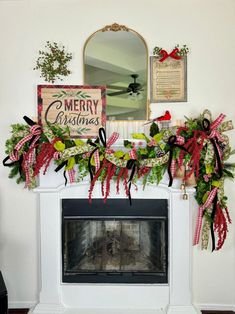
(117, 57)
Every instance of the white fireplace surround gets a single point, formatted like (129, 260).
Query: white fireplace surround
(57, 297)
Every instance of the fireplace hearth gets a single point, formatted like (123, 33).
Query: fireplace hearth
(115, 242)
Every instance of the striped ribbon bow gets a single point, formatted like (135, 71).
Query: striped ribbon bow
(35, 132)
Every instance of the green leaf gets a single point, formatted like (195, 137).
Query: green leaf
(158, 137)
(119, 154)
(59, 146)
(127, 144)
(71, 163)
(154, 129)
(138, 136)
(79, 142)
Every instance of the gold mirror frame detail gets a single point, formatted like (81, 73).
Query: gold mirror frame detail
(115, 27)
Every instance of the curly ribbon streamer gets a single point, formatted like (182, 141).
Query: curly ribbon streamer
(173, 54)
(207, 204)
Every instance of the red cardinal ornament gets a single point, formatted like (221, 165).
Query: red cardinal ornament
(165, 117)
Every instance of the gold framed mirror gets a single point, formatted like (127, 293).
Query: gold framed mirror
(117, 57)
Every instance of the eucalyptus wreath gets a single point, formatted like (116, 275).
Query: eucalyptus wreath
(53, 63)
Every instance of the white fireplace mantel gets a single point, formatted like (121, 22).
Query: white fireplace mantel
(57, 297)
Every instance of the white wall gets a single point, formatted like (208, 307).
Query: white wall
(206, 26)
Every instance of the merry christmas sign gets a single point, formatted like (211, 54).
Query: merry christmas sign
(81, 108)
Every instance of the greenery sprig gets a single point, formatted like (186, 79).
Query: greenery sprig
(53, 63)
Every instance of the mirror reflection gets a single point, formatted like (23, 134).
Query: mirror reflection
(117, 57)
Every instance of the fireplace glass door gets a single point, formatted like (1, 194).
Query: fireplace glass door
(114, 242)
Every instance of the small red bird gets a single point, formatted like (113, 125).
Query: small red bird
(165, 117)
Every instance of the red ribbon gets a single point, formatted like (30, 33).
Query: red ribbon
(173, 54)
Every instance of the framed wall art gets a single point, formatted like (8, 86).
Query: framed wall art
(81, 108)
(168, 79)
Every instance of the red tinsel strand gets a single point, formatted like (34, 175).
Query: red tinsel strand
(194, 147)
(96, 176)
(228, 216)
(143, 171)
(45, 156)
(125, 182)
(108, 180)
(120, 174)
(180, 129)
(220, 226)
(103, 180)
(107, 187)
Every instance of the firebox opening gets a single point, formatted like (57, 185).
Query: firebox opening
(115, 242)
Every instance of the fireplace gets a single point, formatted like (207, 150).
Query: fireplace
(66, 287)
(114, 242)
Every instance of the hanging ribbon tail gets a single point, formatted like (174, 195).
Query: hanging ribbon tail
(102, 136)
(131, 164)
(212, 221)
(89, 162)
(62, 165)
(207, 204)
(198, 226)
(218, 157)
(71, 173)
(207, 126)
(29, 121)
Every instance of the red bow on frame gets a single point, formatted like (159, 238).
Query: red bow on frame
(173, 54)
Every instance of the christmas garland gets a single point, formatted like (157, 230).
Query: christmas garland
(198, 151)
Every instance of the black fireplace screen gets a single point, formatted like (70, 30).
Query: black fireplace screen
(114, 242)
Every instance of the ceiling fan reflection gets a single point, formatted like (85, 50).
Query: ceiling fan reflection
(133, 88)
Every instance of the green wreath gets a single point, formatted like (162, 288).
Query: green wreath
(53, 62)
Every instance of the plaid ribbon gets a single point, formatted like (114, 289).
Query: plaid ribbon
(113, 138)
(133, 154)
(71, 173)
(35, 130)
(207, 204)
(180, 140)
(173, 167)
(217, 121)
(28, 161)
(215, 134)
